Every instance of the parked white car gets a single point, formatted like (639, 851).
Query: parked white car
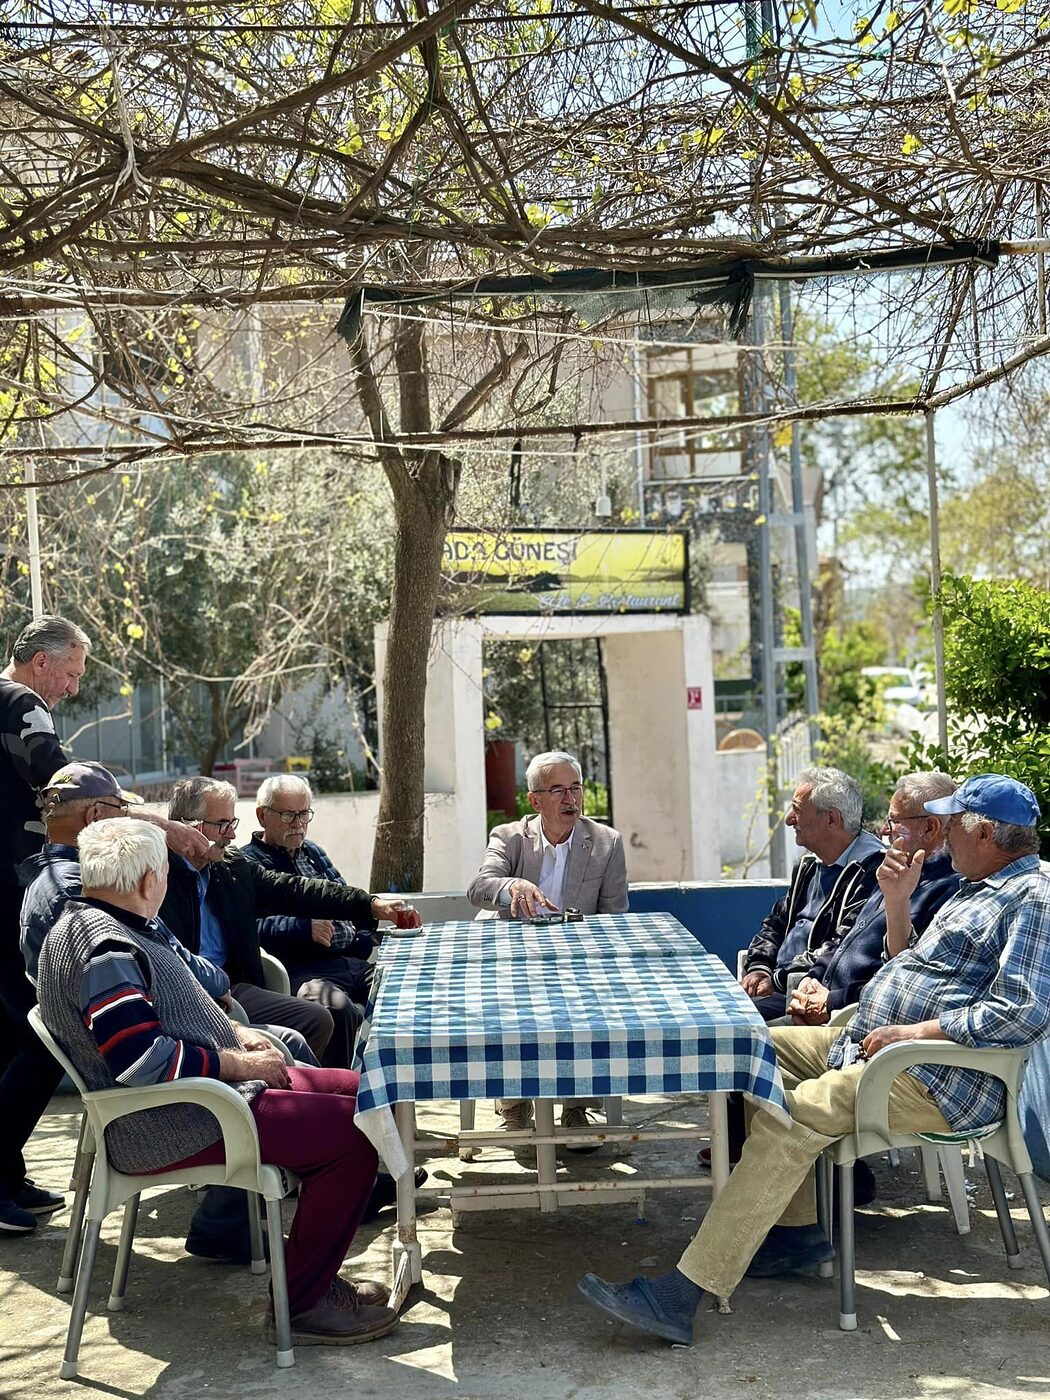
(899, 685)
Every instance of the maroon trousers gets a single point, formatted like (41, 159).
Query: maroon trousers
(310, 1129)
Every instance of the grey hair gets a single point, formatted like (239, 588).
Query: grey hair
(115, 854)
(1011, 839)
(921, 788)
(278, 782)
(54, 636)
(835, 791)
(543, 761)
(189, 797)
(52, 804)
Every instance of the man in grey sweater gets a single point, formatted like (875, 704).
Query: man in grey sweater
(127, 1011)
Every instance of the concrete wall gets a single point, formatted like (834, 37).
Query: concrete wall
(742, 825)
(455, 751)
(345, 825)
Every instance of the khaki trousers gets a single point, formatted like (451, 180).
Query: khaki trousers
(773, 1181)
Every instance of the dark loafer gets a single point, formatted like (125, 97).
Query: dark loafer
(790, 1250)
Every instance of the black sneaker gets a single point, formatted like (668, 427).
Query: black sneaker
(14, 1220)
(37, 1201)
(384, 1194)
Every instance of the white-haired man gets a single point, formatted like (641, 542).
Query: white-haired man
(829, 885)
(979, 975)
(213, 907)
(553, 860)
(128, 1012)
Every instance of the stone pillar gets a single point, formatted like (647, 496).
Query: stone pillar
(662, 749)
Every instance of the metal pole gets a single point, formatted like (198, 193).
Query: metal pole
(798, 506)
(163, 707)
(760, 450)
(33, 531)
(639, 447)
(935, 582)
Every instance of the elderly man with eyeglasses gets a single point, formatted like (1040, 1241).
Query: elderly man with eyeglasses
(553, 860)
(856, 951)
(326, 959)
(213, 905)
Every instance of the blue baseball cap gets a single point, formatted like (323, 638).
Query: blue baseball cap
(991, 795)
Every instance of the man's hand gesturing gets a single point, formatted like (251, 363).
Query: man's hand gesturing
(899, 873)
(527, 900)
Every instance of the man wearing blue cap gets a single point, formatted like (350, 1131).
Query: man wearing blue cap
(979, 975)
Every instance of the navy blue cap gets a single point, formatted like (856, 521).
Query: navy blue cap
(86, 779)
(991, 795)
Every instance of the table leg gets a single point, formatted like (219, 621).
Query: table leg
(716, 1112)
(407, 1255)
(466, 1124)
(546, 1155)
(719, 1130)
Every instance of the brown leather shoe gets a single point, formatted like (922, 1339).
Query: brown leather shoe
(340, 1318)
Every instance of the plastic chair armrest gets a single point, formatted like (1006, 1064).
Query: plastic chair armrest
(232, 1113)
(237, 1012)
(844, 1015)
(873, 1088)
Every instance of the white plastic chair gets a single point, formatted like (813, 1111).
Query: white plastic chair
(110, 1188)
(935, 1160)
(275, 974)
(84, 1161)
(1000, 1142)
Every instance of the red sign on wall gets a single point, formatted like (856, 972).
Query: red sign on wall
(694, 698)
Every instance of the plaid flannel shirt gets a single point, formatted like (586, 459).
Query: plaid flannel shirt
(982, 969)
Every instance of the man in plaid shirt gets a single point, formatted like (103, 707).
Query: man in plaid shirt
(979, 976)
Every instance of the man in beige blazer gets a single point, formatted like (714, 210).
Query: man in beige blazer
(550, 862)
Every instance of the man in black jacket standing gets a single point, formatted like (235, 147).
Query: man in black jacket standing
(47, 662)
(213, 908)
(48, 659)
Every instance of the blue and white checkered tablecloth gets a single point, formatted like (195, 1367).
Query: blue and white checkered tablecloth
(452, 1018)
(601, 935)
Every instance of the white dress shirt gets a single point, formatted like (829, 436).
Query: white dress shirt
(553, 866)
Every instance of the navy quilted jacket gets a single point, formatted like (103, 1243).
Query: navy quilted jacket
(850, 964)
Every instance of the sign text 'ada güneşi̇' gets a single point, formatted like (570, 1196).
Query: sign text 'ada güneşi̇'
(565, 571)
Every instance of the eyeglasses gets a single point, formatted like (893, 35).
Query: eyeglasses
(113, 806)
(576, 790)
(899, 821)
(226, 827)
(305, 817)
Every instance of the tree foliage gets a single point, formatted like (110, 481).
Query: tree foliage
(997, 659)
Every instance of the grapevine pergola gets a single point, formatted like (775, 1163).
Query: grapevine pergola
(177, 179)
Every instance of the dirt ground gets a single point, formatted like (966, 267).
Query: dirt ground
(498, 1314)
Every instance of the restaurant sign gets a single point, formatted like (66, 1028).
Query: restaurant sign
(565, 571)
